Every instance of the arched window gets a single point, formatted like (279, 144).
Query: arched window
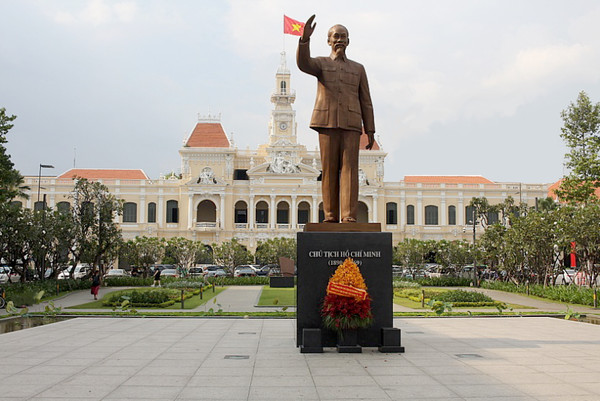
(241, 212)
(362, 216)
(172, 211)
(39, 205)
(492, 218)
(282, 85)
(391, 213)
(451, 215)
(129, 212)
(151, 212)
(63, 207)
(206, 212)
(431, 215)
(303, 212)
(410, 214)
(283, 212)
(262, 212)
(469, 214)
(17, 203)
(321, 213)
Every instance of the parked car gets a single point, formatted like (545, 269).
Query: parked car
(396, 271)
(81, 271)
(196, 272)
(242, 271)
(264, 271)
(169, 273)
(116, 273)
(216, 273)
(161, 267)
(274, 271)
(4, 273)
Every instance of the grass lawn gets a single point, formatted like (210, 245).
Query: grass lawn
(277, 296)
(190, 303)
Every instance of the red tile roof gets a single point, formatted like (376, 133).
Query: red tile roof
(448, 179)
(364, 141)
(208, 135)
(556, 185)
(99, 174)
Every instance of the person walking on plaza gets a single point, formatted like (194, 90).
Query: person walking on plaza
(343, 108)
(156, 278)
(96, 281)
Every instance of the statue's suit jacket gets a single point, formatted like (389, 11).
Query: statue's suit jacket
(343, 98)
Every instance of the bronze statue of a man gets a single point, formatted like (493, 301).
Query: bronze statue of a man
(342, 108)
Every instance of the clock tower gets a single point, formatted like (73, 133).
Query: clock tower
(282, 127)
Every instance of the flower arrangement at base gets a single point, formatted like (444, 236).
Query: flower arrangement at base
(347, 304)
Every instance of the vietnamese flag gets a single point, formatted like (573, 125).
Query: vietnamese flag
(292, 27)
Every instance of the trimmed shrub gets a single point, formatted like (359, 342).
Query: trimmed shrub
(22, 293)
(571, 294)
(222, 281)
(456, 296)
(154, 298)
(444, 282)
(405, 284)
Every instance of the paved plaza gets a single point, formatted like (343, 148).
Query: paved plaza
(514, 358)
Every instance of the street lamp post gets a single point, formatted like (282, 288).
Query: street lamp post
(40, 178)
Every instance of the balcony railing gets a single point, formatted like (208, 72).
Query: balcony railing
(206, 224)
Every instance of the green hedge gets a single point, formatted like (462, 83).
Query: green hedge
(571, 294)
(23, 293)
(462, 296)
(397, 283)
(158, 297)
(444, 282)
(223, 281)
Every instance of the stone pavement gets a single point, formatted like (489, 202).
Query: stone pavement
(471, 359)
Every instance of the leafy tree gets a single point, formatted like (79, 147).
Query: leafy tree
(452, 254)
(97, 235)
(52, 237)
(144, 252)
(16, 234)
(185, 252)
(269, 251)
(230, 254)
(11, 181)
(581, 133)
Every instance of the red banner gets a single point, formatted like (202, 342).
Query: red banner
(292, 27)
(346, 291)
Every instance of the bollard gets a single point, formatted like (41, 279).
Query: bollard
(527, 289)
(422, 298)
(201, 291)
(57, 289)
(182, 300)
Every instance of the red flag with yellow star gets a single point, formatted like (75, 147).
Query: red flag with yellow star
(292, 27)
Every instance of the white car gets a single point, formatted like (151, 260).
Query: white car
(4, 272)
(81, 271)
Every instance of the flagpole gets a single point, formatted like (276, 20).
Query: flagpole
(283, 34)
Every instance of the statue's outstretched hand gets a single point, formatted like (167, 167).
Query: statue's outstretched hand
(309, 27)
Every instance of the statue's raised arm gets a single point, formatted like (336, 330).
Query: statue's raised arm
(309, 27)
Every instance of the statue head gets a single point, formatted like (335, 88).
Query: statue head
(338, 39)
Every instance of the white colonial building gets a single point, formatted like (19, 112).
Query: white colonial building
(272, 191)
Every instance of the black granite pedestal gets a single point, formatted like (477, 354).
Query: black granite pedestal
(319, 254)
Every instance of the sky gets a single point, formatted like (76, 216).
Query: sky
(459, 87)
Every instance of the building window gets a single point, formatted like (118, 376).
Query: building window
(283, 213)
(362, 214)
(262, 212)
(39, 205)
(283, 87)
(17, 203)
(63, 207)
(151, 212)
(172, 211)
(391, 213)
(206, 212)
(410, 215)
(129, 212)
(240, 174)
(241, 212)
(469, 215)
(321, 213)
(492, 218)
(431, 215)
(303, 213)
(451, 215)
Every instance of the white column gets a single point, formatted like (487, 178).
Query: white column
(402, 210)
(51, 202)
(190, 211)
(142, 210)
(222, 218)
(460, 213)
(294, 212)
(272, 210)
(420, 209)
(160, 219)
(375, 217)
(444, 212)
(315, 210)
(251, 221)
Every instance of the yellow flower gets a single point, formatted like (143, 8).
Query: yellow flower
(348, 273)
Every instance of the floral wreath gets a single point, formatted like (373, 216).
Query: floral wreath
(347, 304)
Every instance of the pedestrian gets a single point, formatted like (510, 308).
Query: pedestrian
(96, 281)
(156, 278)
